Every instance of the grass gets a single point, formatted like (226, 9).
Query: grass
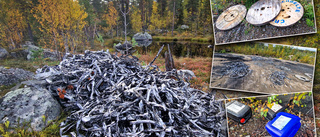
(27, 65)
(201, 66)
(24, 129)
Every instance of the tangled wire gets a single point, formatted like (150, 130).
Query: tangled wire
(108, 95)
(234, 70)
(278, 77)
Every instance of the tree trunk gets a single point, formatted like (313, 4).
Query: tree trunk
(30, 32)
(174, 10)
(169, 63)
(66, 47)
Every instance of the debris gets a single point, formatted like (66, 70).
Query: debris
(110, 95)
(303, 78)
(278, 77)
(234, 70)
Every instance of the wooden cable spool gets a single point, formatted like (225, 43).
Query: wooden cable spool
(263, 11)
(231, 17)
(291, 12)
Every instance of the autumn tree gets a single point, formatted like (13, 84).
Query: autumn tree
(12, 23)
(136, 19)
(60, 21)
(155, 17)
(111, 17)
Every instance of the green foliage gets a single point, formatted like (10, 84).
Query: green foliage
(134, 42)
(264, 112)
(310, 23)
(277, 51)
(37, 54)
(100, 39)
(309, 11)
(298, 97)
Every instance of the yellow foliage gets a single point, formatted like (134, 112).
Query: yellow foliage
(60, 21)
(12, 23)
(111, 17)
(156, 23)
(136, 19)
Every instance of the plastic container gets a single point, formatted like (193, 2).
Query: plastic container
(238, 112)
(274, 110)
(283, 125)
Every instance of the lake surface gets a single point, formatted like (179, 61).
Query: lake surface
(178, 49)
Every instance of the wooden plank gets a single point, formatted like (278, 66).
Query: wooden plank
(231, 17)
(263, 11)
(291, 12)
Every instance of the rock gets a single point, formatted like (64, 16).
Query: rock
(184, 27)
(142, 36)
(3, 53)
(29, 104)
(143, 39)
(26, 52)
(13, 75)
(51, 55)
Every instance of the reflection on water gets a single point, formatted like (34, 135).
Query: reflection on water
(178, 49)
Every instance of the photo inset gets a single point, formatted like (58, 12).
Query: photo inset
(248, 20)
(274, 115)
(263, 68)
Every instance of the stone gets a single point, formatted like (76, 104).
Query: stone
(13, 76)
(30, 105)
(143, 39)
(3, 53)
(26, 49)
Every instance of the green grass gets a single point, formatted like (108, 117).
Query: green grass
(27, 65)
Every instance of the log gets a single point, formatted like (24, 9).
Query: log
(231, 17)
(291, 12)
(263, 11)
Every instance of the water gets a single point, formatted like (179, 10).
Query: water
(178, 49)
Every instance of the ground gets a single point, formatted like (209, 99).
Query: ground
(258, 80)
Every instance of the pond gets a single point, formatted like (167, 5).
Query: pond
(178, 49)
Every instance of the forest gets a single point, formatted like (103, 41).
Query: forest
(77, 25)
(270, 50)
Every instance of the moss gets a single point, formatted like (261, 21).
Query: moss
(24, 129)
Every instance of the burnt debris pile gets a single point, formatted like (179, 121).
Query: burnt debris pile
(234, 70)
(278, 77)
(110, 95)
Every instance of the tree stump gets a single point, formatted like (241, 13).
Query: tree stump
(231, 17)
(169, 63)
(263, 11)
(291, 13)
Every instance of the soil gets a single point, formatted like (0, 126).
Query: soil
(256, 125)
(258, 80)
(246, 32)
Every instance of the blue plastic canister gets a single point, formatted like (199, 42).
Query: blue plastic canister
(283, 125)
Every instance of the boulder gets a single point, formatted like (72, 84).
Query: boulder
(13, 76)
(143, 39)
(51, 55)
(29, 105)
(3, 53)
(26, 52)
